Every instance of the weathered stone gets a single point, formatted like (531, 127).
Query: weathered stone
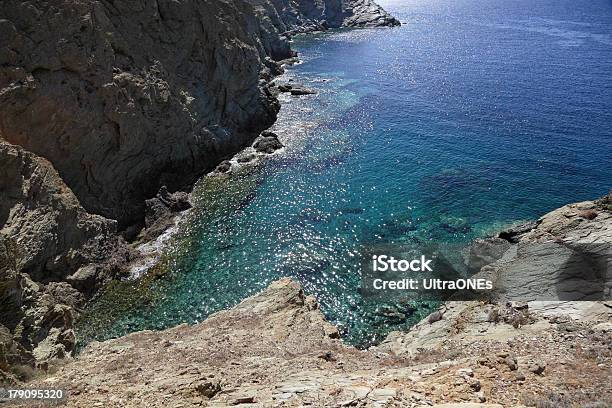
(510, 361)
(514, 234)
(208, 389)
(435, 316)
(246, 158)
(42, 223)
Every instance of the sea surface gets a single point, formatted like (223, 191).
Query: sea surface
(472, 116)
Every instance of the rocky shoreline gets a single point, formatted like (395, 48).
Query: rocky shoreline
(107, 120)
(277, 349)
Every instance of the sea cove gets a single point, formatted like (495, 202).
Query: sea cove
(409, 140)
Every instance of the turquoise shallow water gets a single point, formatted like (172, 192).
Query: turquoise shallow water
(471, 116)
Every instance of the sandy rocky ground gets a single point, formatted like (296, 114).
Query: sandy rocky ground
(276, 349)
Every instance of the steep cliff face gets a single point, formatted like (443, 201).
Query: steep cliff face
(124, 96)
(49, 232)
(45, 238)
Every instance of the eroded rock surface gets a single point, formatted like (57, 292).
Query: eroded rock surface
(123, 97)
(566, 255)
(46, 232)
(276, 349)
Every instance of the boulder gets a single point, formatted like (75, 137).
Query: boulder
(267, 143)
(164, 205)
(246, 158)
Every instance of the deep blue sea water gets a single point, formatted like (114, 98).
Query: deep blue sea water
(471, 116)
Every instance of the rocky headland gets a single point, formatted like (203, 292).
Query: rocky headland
(276, 348)
(110, 111)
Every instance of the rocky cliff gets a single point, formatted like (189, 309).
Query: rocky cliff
(108, 105)
(45, 238)
(125, 96)
(290, 17)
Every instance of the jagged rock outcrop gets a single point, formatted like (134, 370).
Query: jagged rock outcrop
(534, 268)
(42, 223)
(161, 211)
(46, 239)
(566, 255)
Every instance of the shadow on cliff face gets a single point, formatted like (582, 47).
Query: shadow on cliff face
(585, 275)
